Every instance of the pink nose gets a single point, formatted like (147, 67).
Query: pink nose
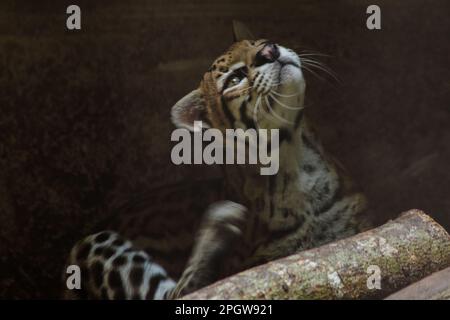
(270, 52)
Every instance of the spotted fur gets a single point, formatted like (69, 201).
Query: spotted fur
(112, 269)
(309, 202)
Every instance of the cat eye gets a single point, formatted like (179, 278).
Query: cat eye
(234, 80)
(236, 77)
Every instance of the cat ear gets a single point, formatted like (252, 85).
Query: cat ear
(241, 32)
(190, 108)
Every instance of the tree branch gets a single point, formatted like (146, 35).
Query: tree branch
(434, 287)
(405, 249)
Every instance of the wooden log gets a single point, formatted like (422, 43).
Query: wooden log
(405, 250)
(434, 287)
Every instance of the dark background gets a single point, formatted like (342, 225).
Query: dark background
(84, 115)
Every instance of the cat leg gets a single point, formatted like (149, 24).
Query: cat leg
(217, 237)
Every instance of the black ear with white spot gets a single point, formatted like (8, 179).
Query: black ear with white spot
(190, 108)
(241, 32)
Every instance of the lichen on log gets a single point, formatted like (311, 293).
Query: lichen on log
(405, 250)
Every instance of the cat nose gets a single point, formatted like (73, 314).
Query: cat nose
(269, 53)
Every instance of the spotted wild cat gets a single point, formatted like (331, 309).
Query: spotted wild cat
(309, 202)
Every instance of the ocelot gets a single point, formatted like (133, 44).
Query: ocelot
(309, 202)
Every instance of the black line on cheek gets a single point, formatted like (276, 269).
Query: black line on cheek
(249, 122)
(227, 111)
(285, 135)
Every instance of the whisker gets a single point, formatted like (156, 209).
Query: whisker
(276, 84)
(329, 72)
(316, 62)
(320, 63)
(313, 61)
(255, 111)
(313, 55)
(312, 52)
(321, 66)
(314, 73)
(273, 113)
(261, 109)
(284, 105)
(284, 95)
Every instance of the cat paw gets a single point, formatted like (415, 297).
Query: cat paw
(227, 216)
